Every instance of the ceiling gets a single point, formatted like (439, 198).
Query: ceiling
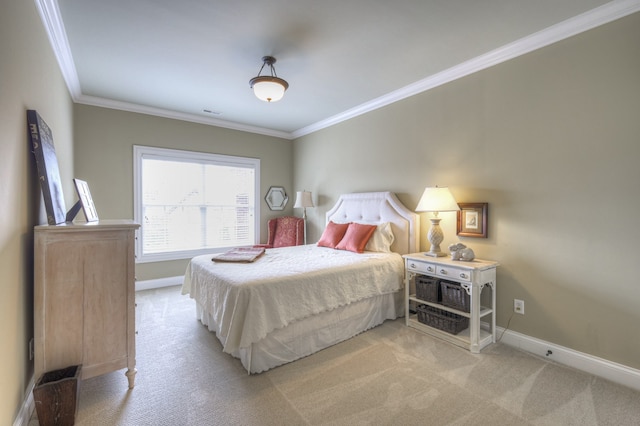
(341, 57)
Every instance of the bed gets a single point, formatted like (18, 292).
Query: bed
(294, 301)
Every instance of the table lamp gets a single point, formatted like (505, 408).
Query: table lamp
(436, 199)
(303, 200)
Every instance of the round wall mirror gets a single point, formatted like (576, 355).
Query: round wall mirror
(276, 198)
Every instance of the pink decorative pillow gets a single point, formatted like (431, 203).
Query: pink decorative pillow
(356, 237)
(332, 234)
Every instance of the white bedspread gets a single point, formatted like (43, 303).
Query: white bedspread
(249, 300)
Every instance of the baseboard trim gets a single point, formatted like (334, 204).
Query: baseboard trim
(600, 367)
(159, 283)
(28, 405)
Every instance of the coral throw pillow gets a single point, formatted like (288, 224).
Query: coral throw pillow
(332, 234)
(356, 237)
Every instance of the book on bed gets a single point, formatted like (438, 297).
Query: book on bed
(240, 254)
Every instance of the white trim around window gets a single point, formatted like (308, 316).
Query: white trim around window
(197, 203)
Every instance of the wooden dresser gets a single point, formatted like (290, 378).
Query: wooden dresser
(84, 297)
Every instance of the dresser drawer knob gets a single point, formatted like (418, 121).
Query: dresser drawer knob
(429, 269)
(413, 265)
(443, 271)
(463, 275)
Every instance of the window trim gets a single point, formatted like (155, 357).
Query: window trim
(145, 152)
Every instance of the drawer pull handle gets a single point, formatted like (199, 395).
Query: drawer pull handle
(463, 275)
(443, 271)
(413, 265)
(429, 269)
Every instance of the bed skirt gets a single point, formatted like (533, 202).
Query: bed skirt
(307, 336)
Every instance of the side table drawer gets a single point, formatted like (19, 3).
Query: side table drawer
(425, 268)
(441, 271)
(457, 274)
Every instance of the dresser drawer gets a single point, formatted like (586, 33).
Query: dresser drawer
(441, 271)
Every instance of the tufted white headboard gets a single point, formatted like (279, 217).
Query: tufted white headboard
(380, 207)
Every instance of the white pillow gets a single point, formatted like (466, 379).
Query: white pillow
(381, 239)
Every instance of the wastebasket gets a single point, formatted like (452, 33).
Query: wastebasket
(56, 396)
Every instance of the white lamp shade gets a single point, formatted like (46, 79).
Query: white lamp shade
(303, 200)
(437, 199)
(269, 89)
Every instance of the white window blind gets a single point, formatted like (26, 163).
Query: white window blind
(190, 203)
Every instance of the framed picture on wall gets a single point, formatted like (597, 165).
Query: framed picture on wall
(472, 220)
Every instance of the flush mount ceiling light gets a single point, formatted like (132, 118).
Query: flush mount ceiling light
(268, 88)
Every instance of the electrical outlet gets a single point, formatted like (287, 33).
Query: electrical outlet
(518, 306)
(31, 349)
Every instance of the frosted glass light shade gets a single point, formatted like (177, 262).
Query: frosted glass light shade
(269, 89)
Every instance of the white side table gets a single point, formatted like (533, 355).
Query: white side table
(473, 277)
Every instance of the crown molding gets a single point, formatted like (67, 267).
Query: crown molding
(50, 15)
(616, 9)
(565, 29)
(194, 118)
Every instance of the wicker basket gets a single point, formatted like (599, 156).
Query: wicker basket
(427, 289)
(455, 296)
(442, 320)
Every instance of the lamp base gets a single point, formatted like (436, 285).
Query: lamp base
(435, 237)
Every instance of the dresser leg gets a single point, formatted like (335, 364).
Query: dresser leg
(131, 375)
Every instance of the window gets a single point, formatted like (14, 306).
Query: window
(191, 203)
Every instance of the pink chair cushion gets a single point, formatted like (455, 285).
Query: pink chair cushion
(285, 231)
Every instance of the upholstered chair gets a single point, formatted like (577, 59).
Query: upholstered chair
(284, 232)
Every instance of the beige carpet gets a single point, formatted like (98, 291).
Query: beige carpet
(390, 375)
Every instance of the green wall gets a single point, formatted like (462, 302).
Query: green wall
(551, 141)
(29, 79)
(104, 158)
